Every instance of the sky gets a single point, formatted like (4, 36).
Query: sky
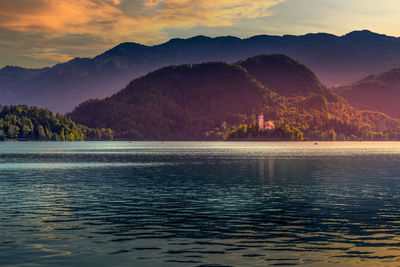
(38, 33)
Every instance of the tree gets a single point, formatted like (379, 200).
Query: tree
(40, 133)
(33, 123)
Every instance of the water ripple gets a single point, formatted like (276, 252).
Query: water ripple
(199, 204)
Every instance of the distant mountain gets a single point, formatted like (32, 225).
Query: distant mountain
(379, 92)
(194, 102)
(335, 60)
(12, 78)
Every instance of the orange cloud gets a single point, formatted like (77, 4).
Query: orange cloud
(122, 20)
(37, 33)
(57, 16)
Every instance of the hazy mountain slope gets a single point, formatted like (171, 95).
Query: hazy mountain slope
(12, 78)
(376, 92)
(335, 60)
(184, 102)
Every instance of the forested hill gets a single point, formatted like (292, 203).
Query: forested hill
(36, 124)
(191, 102)
(379, 92)
(176, 103)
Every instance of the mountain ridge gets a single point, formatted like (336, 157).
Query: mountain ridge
(334, 59)
(352, 33)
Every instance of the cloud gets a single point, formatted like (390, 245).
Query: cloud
(50, 31)
(48, 54)
(122, 20)
(35, 49)
(56, 17)
(68, 28)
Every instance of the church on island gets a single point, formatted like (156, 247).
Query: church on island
(262, 125)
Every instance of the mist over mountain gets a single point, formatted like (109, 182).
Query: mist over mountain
(334, 59)
(188, 102)
(379, 92)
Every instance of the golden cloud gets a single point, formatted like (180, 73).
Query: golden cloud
(121, 20)
(57, 16)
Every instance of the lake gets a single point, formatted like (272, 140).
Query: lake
(199, 203)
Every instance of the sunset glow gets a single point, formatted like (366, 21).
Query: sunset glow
(199, 133)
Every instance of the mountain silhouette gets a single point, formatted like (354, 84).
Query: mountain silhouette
(336, 60)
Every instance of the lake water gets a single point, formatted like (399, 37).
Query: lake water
(199, 203)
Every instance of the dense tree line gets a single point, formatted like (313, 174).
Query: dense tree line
(32, 123)
(321, 119)
(280, 132)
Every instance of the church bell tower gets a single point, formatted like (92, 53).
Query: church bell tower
(261, 121)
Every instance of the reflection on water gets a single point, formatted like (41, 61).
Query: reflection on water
(270, 168)
(199, 204)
